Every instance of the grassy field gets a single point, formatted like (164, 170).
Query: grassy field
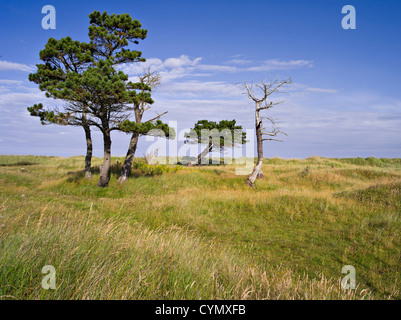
(201, 232)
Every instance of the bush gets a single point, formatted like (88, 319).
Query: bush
(142, 168)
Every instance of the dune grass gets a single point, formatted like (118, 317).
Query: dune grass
(174, 232)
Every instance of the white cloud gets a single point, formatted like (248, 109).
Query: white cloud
(218, 68)
(187, 111)
(240, 61)
(276, 64)
(10, 82)
(183, 66)
(182, 61)
(134, 69)
(171, 68)
(321, 90)
(199, 89)
(21, 98)
(13, 66)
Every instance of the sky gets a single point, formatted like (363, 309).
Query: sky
(344, 101)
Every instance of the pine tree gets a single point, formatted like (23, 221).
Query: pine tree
(216, 136)
(63, 57)
(85, 75)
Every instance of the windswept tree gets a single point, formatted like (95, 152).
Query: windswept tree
(70, 117)
(263, 133)
(215, 135)
(110, 36)
(61, 59)
(85, 74)
(143, 102)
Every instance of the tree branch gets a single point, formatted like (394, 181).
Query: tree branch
(158, 116)
(267, 89)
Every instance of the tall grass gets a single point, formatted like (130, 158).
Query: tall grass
(200, 233)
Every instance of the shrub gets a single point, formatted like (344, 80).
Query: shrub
(152, 169)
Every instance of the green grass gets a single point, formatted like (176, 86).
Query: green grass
(172, 232)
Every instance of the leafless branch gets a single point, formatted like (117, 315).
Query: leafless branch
(158, 116)
(274, 132)
(270, 139)
(267, 89)
(150, 78)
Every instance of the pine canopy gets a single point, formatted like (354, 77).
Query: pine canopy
(84, 74)
(224, 133)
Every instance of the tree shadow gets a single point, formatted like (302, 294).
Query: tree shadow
(18, 164)
(186, 159)
(139, 169)
(76, 176)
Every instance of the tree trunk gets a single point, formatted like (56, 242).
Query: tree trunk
(203, 154)
(257, 170)
(105, 168)
(129, 158)
(89, 149)
(126, 168)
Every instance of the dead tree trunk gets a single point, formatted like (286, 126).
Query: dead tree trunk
(203, 154)
(257, 170)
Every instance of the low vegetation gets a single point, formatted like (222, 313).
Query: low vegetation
(174, 232)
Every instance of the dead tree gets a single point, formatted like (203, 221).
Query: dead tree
(262, 133)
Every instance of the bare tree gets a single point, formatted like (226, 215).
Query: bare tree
(262, 133)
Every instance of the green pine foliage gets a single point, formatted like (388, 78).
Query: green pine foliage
(218, 131)
(110, 34)
(48, 117)
(157, 128)
(85, 72)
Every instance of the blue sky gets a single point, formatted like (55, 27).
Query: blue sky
(345, 100)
